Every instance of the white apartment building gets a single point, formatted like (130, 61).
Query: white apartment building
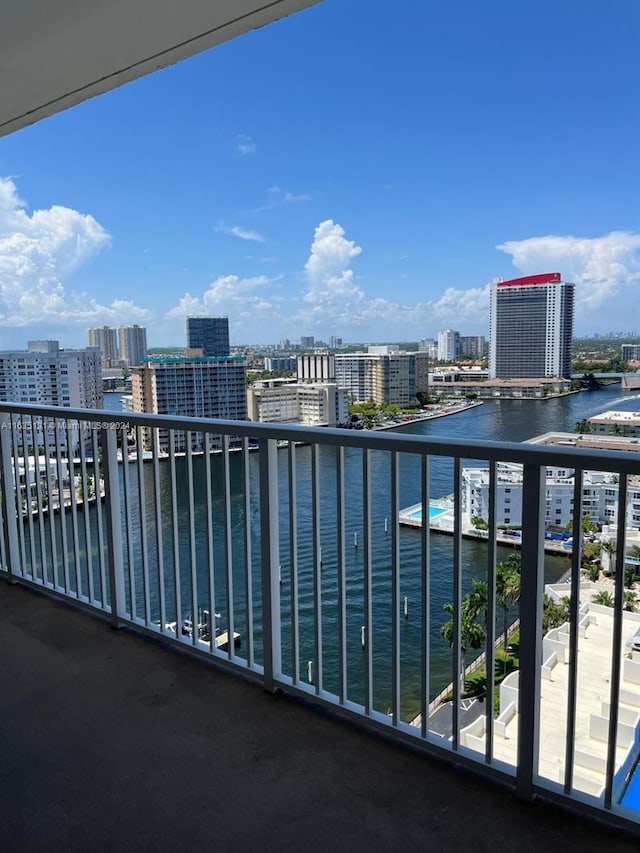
(383, 374)
(46, 375)
(203, 387)
(316, 367)
(599, 496)
(448, 345)
(132, 342)
(616, 423)
(531, 327)
(309, 403)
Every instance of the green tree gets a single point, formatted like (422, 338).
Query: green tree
(630, 600)
(582, 426)
(603, 597)
(592, 571)
(554, 613)
(508, 588)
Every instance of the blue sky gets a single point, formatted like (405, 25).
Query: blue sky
(361, 169)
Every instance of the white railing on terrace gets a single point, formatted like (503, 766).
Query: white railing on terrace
(287, 562)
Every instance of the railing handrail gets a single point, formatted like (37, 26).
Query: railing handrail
(614, 461)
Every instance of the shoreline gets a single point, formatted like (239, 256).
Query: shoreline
(429, 416)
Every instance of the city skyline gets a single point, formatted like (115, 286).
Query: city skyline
(374, 198)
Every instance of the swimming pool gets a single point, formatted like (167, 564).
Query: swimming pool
(631, 799)
(434, 512)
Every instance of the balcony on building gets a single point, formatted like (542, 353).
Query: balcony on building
(234, 647)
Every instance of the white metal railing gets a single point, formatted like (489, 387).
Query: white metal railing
(277, 551)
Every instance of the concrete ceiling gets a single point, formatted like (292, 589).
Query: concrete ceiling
(56, 53)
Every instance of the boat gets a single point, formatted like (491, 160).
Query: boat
(204, 630)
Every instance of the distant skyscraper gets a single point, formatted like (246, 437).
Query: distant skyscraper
(106, 339)
(307, 342)
(531, 324)
(211, 334)
(133, 344)
(448, 345)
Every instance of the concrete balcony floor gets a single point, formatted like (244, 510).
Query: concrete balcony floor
(111, 742)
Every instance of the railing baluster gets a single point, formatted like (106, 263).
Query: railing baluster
(395, 591)
(9, 504)
(574, 615)
(46, 425)
(85, 511)
(74, 510)
(127, 502)
(157, 500)
(342, 583)
(532, 573)
(175, 533)
(18, 490)
(61, 503)
(210, 549)
(228, 551)
(616, 643)
(490, 665)
(293, 562)
(458, 671)
(28, 492)
(270, 557)
(317, 569)
(248, 557)
(195, 619)
(142, 514)
(368, 633)
(425, 604)
(96, 448)
(109, 444)
(41, 533)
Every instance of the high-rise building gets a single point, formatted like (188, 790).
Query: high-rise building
(210, 334)
(205, 387)
(383, 374)
(133, 344)
(531, 323)
(46, 375)
(472, 346)
(307, 342)
(335, 342)
(448, 345)
(106, 339)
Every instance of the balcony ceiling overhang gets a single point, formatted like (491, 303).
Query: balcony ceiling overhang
(54, 55)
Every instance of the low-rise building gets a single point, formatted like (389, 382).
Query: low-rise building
(309, 403)
(616, 423)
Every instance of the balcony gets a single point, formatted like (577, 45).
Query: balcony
(277, 557)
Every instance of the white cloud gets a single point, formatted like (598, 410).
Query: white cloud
(245, 144)
(602, 268)
(239, 231)
(287, 197)
(333, 298)
(243, 299)
(38, 251)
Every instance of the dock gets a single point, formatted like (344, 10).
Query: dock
(442, 522)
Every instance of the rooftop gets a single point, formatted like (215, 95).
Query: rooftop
(94, 713)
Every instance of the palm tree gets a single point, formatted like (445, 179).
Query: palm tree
(508, 588)
(630, 601)
(603, 597)
(472, 634)
(592, 571)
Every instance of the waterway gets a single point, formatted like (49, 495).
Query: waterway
(508, 420)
